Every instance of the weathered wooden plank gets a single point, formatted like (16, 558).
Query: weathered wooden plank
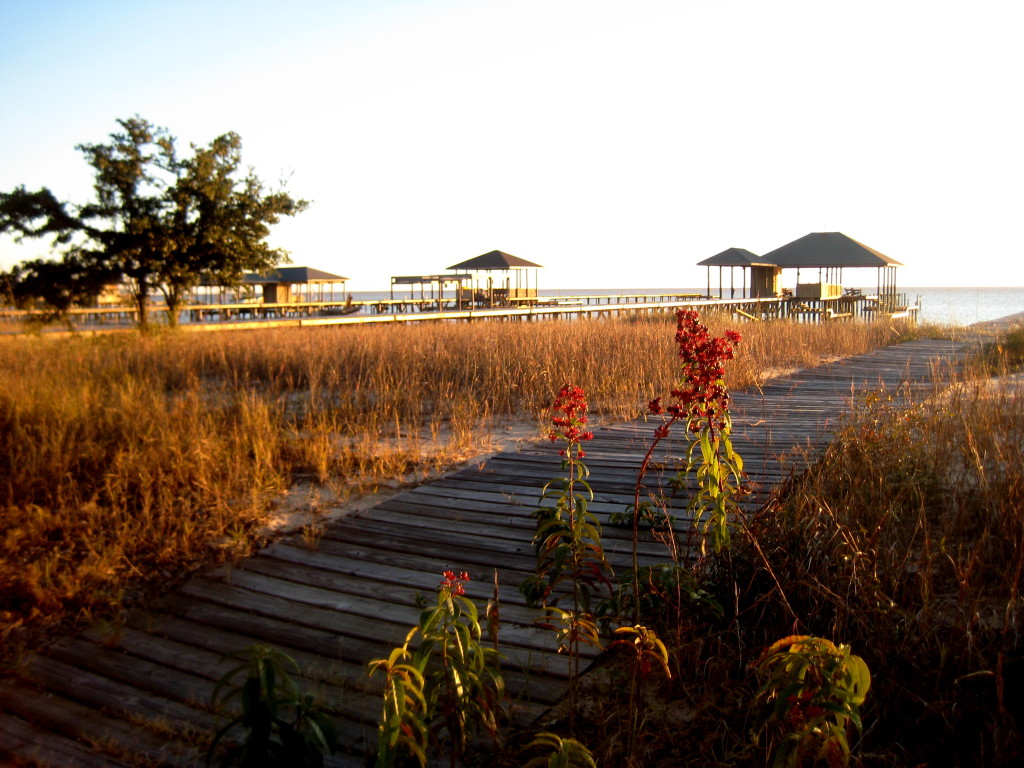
(364, 623)
(378, 612)
(345, 670)
(75, 681)
(28, 742)
(436, 521)
(452, 551)
(304, 568)
(108, 736)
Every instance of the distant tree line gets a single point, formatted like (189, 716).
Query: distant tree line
(158, 221)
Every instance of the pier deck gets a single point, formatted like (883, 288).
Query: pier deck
(117, 693)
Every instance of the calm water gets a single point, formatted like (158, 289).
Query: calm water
(963, 306)
(953, 306)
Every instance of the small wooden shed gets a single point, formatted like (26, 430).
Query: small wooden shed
(287, 285)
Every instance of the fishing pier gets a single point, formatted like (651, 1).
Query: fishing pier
(253, 316)
(498, 286)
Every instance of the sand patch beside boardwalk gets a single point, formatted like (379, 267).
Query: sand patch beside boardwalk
(307, 505)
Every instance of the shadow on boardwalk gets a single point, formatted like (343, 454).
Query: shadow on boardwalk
(112, 696)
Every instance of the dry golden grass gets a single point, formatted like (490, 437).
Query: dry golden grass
(130, 458)
(907, 542)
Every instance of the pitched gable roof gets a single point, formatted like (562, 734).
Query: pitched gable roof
(494, 260)
(736, 257)
(295, 275)
(828, 249)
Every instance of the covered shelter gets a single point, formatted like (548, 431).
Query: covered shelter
(830, 253)
(435, 283)
(501, 291)
(764, 273)
(287, 285)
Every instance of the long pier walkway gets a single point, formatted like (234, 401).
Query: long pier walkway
(138, 693)
(245, 317)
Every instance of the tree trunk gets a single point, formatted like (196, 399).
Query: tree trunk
(172, 297)
(142, 303)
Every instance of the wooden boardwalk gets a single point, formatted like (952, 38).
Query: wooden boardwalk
(139, 693)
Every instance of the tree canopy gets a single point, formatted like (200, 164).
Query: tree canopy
(158, 221)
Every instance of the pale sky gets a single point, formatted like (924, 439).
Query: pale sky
(615, 143)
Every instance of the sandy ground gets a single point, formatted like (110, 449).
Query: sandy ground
(305, 506)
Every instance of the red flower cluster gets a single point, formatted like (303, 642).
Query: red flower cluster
(453, 582)
(570, 420)
(704, 397)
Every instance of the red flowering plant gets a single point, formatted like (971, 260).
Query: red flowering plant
(568, 537)
(570, 421)
(702, 398)
(570, 556)
(702, 401)
(448, 690)
(453, 582)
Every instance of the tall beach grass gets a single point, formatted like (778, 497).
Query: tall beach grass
(129, 460)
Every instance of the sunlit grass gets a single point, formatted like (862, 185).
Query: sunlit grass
(127, 459)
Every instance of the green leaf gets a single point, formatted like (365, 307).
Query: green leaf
(859, 679)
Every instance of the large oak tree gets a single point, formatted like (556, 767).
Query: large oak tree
(158, 221)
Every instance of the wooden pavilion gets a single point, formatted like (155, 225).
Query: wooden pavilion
(764, 274)
(829, 253)
(435, 284)
(286, 285)
(501, 291)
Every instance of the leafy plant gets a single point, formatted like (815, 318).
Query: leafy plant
(403, 724)
(285, 727)
(665, 590)
(702, 400)
(811, 691)
(570, 555)
(447, 690)
(568, 537)
(558, 753)
(646, 648)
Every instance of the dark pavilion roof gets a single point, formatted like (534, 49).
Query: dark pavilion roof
(294, 275)
(495, 260)
(736, 257)
(828, 249)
